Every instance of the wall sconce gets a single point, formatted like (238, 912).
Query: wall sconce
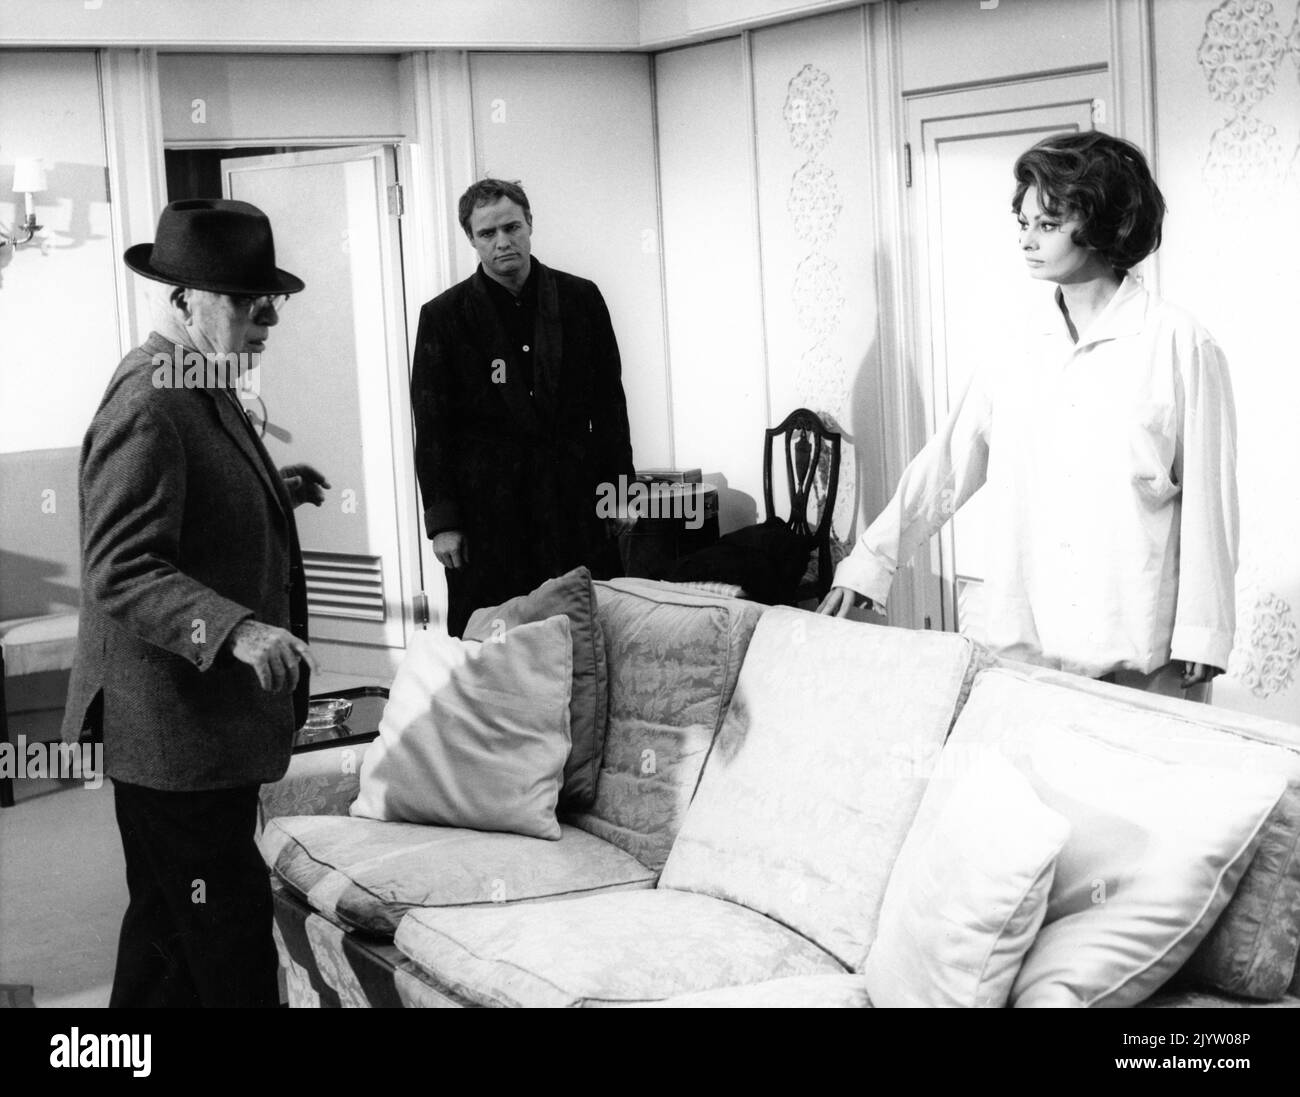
(29, 179)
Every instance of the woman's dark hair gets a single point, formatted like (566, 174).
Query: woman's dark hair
(1104, 182)
(487, 191)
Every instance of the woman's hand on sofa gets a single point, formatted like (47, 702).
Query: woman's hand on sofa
(1196, 673)
(840, 600)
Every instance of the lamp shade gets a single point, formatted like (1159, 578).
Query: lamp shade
(29, 176)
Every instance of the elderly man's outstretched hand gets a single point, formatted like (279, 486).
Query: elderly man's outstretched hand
(304, 484)
(272, 652)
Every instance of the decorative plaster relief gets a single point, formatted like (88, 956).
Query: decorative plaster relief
(821, 381)
(809, 110)
(1244, 152)
(814, 203)
(846, 501)
(1266, 649)
(818, 295)
(1240, 52)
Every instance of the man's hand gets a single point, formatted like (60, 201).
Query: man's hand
(272, 652)
(839, 600)
(1196, 673)
(451, 548)
(304, 484)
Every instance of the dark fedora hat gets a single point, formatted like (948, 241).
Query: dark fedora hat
(215, 244)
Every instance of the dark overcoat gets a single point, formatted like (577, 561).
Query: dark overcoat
(516, 462)
(186, 530)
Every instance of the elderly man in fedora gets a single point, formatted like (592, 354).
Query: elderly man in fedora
(192, 659)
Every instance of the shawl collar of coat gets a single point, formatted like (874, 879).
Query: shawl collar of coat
(230, 419)
(548, 345)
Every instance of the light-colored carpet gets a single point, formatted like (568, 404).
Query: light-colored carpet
(63, 879)
(62, 883)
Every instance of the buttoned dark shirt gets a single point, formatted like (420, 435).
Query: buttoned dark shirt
(519, 317)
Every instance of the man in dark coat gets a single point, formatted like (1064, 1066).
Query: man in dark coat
(520, 416)
(193, 615)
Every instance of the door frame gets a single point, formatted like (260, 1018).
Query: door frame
(937, 589)
(399, 255)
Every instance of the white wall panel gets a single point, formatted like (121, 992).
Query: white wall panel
(211, 98)
(815, 213)
(325, 24)
(578, 133)
(58, 299)
(952, 42)
(676, 22)
(711, 269)
(1229, 166)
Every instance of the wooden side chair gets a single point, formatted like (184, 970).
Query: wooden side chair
(811, 456)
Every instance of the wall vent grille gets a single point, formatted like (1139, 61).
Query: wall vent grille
(343, 585)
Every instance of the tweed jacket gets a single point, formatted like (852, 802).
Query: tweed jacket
(186, 530)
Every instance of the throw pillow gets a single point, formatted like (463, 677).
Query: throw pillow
(572, 595)
(475, 735)
(1252, 947)
(968, 892)
(1155, 852)
(1251, 951)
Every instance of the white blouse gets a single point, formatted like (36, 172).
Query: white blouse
(1110, 468)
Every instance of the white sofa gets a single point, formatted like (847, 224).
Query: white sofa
(762, 773)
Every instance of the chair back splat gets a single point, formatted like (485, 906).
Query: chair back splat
(807, 444)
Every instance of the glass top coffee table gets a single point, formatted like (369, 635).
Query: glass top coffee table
(360, 725)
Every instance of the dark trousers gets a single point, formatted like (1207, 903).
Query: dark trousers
(197, 931)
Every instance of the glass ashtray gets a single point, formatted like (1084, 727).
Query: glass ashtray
(328, 712)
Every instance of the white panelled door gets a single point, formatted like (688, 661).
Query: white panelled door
(970, 288)
(334, 391)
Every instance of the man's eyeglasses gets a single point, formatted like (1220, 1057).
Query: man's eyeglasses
(253, 305)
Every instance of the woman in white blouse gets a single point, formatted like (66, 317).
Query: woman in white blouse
(1108, 453)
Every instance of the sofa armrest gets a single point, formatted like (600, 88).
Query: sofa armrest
(323, 781)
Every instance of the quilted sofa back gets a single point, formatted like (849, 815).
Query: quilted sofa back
(818, 771)
(673, 656)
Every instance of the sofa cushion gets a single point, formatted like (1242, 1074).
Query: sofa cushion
(572, 595)
(606, 950)
(793, 992)
(674, 655)
(968, 892)
(475, 735)
(817, 772)
(1251, 952)
(367, 874)
(1155, 850)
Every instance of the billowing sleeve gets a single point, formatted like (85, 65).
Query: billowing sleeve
(947, 472)
(1205, 464)
(431, 407)
(133, 472)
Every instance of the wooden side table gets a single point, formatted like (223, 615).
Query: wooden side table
(654, 543)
